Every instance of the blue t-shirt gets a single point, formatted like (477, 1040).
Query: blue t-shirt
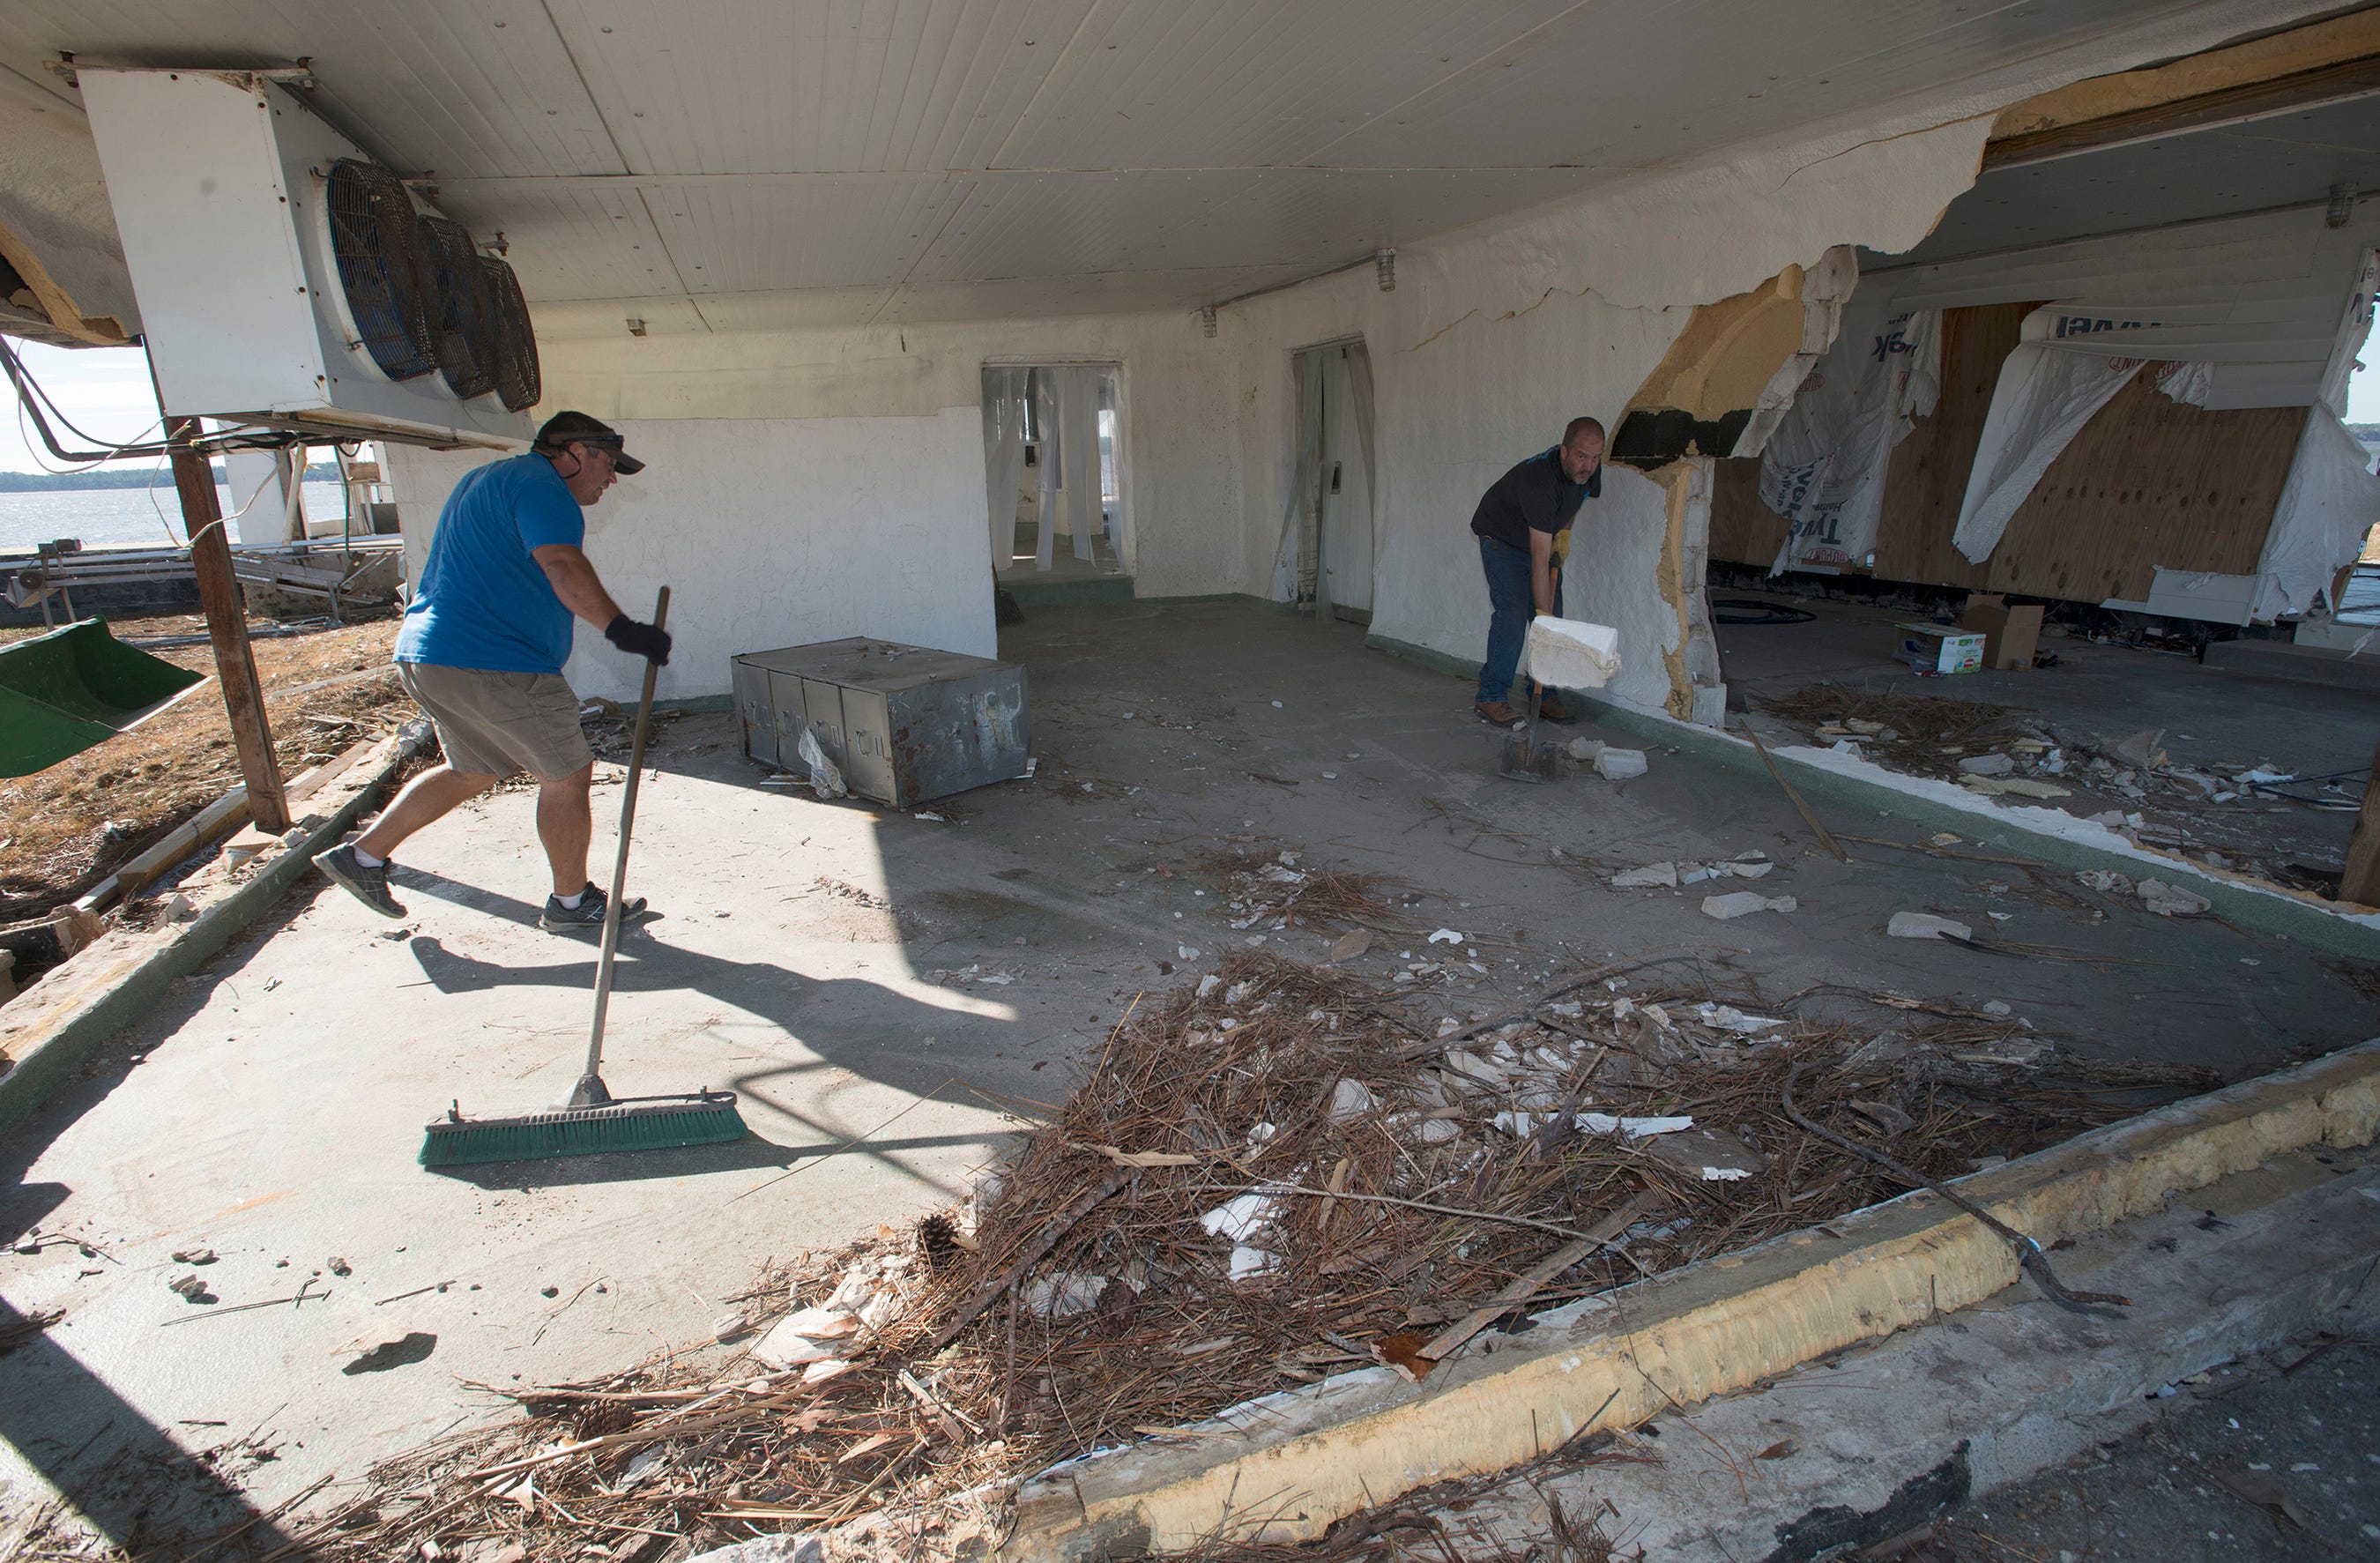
(483, 600)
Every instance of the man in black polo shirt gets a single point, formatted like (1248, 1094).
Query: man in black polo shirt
(1517, 523)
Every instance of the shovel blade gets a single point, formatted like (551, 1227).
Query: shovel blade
(1521, 760)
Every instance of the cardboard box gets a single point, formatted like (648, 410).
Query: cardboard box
(2010, 634)
(1932, 649)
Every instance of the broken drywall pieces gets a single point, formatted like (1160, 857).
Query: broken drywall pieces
(2141, 750)
(1992, 764)
(1925, 925)
(1669, 876)
(1570, 653)
(1352, 1100)
(2171, 900)
(1619, 765)
(1586, 750)
(1064, 1293)
(1743, 903)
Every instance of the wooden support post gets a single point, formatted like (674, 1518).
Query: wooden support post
(194, 480)
(2361, 883)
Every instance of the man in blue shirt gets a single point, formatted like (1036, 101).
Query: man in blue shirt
(481, 651)
(1520, 523)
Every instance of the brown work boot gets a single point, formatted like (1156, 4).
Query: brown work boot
(1554, 710)
(1497, 711)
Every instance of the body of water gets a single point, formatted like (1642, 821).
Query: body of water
(127, 517)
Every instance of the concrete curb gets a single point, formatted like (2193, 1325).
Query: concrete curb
(2340, 931)
(1305, 1458)
(1867, 1445)
(57, 1024)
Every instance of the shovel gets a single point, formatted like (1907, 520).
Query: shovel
(1524, 758)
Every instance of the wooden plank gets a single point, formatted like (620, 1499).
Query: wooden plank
(2361, 883)
(1927, 477)
(2341, 82)
(2149, 482)
(251, 737)
(1743, 530)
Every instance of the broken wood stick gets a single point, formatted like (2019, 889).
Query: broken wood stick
(1043, 1242)
(2029, 1257)
(1808, 817)
(1602, 1234)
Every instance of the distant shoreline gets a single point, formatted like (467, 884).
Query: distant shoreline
(146, 477)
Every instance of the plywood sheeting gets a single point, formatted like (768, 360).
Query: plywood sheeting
(2149, 482)
(1744, 530)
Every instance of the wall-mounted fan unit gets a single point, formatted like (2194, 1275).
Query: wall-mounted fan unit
(286, 279)
(376, 241)
(518, 385)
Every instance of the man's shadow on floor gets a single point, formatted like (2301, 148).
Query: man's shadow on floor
(852, 1024)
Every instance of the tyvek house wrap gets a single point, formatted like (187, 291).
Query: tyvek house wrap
(1824, 469)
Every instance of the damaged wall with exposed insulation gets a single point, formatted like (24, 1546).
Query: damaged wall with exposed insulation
(1492, 339)
(2190, 507)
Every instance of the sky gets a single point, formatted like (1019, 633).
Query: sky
(106, 392)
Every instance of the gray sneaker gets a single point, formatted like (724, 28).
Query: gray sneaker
(367, 885)
(587, 915)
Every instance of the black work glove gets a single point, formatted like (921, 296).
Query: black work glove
(649, 641)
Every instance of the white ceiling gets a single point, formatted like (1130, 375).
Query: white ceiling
(722, 164)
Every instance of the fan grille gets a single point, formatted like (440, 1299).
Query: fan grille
(377, 247)
(467, 322)
(517, 373)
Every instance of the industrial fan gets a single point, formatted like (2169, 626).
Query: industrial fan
(377, 246)
(518, 384)
(468, 350)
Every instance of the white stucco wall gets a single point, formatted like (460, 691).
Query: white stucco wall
(770, 532)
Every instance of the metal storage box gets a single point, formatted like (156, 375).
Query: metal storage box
(903, 723)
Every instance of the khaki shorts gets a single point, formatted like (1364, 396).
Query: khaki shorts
(497, 724)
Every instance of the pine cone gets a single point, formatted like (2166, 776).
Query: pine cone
(938, 1242)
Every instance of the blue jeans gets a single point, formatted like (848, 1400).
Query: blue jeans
(1512, 601)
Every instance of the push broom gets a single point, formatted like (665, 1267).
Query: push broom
(594, 1121)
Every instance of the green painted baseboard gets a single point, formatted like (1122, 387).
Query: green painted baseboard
(1067, 593)
(1854, 797)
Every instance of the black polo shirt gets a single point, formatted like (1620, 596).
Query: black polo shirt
(1534, 496)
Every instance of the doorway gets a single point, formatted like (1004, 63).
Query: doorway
(1053, 465)
(1333, 516)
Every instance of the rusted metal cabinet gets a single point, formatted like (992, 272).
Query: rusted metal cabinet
(903, 723)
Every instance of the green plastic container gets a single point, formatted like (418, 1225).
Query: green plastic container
(63, 691)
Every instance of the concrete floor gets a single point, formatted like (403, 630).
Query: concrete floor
(271, 1110)
(2214, 719)
(2266, 1460)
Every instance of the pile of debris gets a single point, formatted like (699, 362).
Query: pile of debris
(1921, 734)
(1269, 1177)
(1264, 889)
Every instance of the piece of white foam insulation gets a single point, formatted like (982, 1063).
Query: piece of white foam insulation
(1619, 765)
(1570, 653)
(1925, 925)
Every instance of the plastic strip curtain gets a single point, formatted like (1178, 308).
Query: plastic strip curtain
(1078, 446)
(1359, 398)
(1293, 561)
(1004, 455)
(1045, 424)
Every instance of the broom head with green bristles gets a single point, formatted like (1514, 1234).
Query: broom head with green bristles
(631, 1123)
